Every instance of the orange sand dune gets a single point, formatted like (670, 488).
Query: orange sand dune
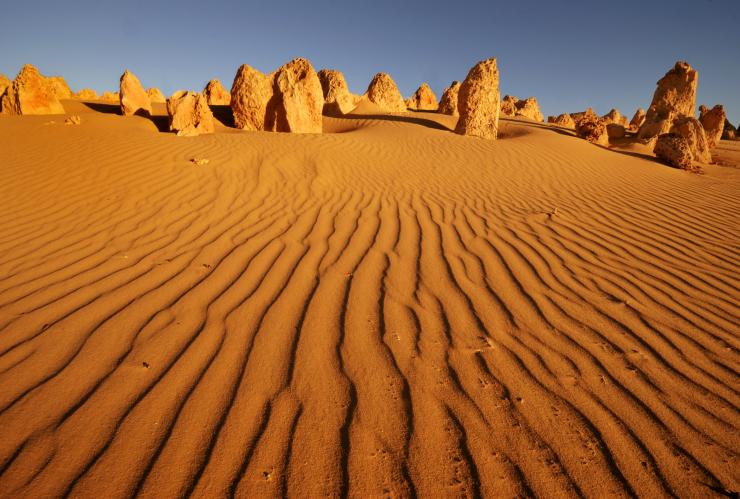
(387, 310)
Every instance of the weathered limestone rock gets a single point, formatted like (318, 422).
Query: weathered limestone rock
(73, 120)
(637, 119)
(190, 114)
(31, 93)
(60, 87)
(614, 116)
(529, 108)
(690, 129)
(87, 94)
(593, 129)
(155, 95)
(289, 100)
(615, 131)
(674, 98)
(337, 98)
(729, 132)
(300, 99)
(479, 101)
(588, 113)
(713, 122)
(448, 102)
(250, 95)
(133, 97)
(110, 96)
(674, 150)
(508, 105)
(384, 93)
(424, 99)
(564, 120)
(216, 94)
(5, 82)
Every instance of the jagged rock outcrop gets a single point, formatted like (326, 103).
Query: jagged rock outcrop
(593, 129)
(155, 95)
(289, 100)
(31, 93)
(216, 94)
(713, 122)
(448, 102)
(384, 93)
(564, 120)
(337, 98)
(424, 99)
(110, 96)
(674, 98)
(637, 119)
(60, 87)
(529, 108)
(87, 94)
(132, 96)
(508, 105)
(691, 129)
(190, 114)
(674, 150)
(479, 101)
(589, 112)
(615, 117)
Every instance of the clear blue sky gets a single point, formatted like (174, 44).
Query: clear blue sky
(568, 53)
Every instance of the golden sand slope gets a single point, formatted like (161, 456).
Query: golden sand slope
(389, 310)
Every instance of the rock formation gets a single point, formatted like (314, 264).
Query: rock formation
(110, 96)
(132, 96)
(583, 114)
(155, 95)
(384, 93)
(448, 102)
(508, 105)
(713, 122)
(216, 94)
(593, 129)
(31, 93)
(87, 94)
(674, 150)
(337, 98)
(5, 82)
(690, 129)
(615, 131)
(300, 99)
(529, 108)
(614, 116)
(674, 98)
(637, 119)
(189, 114)
(250, 94)
(479, 101)
(424, 99)
(729, 132)
(289, 100)
(564, 120)
(60, 87)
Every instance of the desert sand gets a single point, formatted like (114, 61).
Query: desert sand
(386, 309)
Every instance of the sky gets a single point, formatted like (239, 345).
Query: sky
(570, 54)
